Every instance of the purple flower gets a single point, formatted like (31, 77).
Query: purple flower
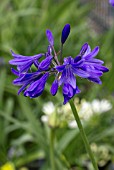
(84, 65)
(67, 77)
(24, 79)
(65, 33)
(111, 2)
(24, 63)
(36, 82)
(90, 64)
(69, 92)
(37, 87)
(68, 69)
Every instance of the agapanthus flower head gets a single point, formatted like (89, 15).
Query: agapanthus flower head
(84, 65)
(111, 2)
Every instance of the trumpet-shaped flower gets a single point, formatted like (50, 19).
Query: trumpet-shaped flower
(67, 79)
(25, 79)
(36, 82)
(37, 87)
(24, 63)
(92, 65)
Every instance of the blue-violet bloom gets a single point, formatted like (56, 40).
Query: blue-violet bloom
(24, 63)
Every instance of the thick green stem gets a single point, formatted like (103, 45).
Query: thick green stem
(52, 137)
(83, 135)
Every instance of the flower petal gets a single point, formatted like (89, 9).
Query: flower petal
(60, 68)
(95, 80)
(15, 72)
(54, 87)
(78, 64)
(102, 68)
(71, 80)
(93, 61)
(92, 71)
(68, 77)
(18, 57)
(68, 60)
(77, 58)
(69, 92)
(92, 54)
(50, 37)
(62, 78)
(84, 49)
(25, 67)
(80, 73)
(77, 90)
(22, 88)
(36, 88)
(44, 65)
(26, 78)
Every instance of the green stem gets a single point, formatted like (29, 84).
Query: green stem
(61, 53)
(52, 137)
(83, 135)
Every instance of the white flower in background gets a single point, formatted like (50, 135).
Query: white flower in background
(48, 108)
(72, 124)
(101, 106)
(87, 109)
(44, 118)
(51, 116)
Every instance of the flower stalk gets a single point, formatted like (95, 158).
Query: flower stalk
(61, 53)
(83, 135)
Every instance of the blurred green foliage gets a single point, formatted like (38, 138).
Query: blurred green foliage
(23, 137)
